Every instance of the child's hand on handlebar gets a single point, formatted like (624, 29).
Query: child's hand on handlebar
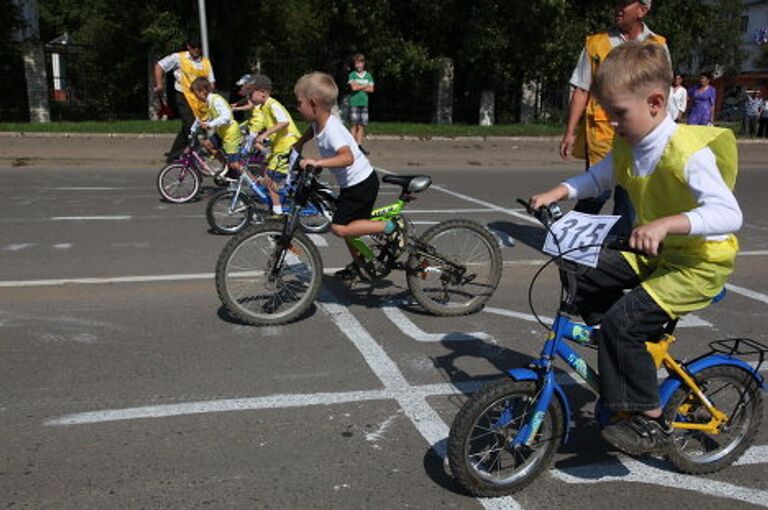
(556, 194)
(304, 163)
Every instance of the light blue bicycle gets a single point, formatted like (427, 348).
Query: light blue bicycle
(506, 434)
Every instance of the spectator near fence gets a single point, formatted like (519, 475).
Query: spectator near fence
(753, 105)
(678, 99)
(589, 134)
(703, 98)
(186, 66)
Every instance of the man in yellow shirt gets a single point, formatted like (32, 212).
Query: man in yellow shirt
(589, 134)
(186, 67)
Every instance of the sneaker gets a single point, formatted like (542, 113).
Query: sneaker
(639, 434)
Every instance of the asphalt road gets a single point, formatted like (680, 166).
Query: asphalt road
(125, 385)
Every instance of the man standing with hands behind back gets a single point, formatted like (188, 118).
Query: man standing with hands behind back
(186, 66)
(589, 133)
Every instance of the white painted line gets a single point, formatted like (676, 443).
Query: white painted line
(122, 217)
(747, 293)
(409, 328)
(754, 253)
(425, 222)
(629, 470)
(17, 246)
(62, 246)
(416, 408)
(446, 211)
(318, 239)
(511, 212)
(113, 279)
(87, 188)
(689, 321)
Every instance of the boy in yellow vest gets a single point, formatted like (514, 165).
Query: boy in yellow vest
(219, 119)
(680, 180)
(271, 121)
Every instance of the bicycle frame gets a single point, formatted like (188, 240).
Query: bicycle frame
(384, 213)
(542, 370)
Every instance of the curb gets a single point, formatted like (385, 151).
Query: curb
(383, 138)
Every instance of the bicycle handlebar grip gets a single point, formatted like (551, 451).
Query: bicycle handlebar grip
(622, 244)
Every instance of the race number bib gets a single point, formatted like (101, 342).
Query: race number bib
(577, 236)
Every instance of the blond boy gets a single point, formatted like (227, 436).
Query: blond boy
(679, 179)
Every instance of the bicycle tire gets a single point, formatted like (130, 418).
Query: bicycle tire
(178, 183)
(482, 255)
(244, 287)
(476, 445)
(223, 217)
(696, 452)
(319, 223)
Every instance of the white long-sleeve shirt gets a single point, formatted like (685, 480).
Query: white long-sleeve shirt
(718, 213)
(217, 104)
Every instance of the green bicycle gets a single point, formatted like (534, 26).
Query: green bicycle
(270, 274)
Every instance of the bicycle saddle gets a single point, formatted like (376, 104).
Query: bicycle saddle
(410, 183)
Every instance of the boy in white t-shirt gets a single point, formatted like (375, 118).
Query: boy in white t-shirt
(316, 95)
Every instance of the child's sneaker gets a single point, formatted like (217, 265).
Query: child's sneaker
(639, 434)
(350, 272)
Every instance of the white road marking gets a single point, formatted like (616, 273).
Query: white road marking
(747, 293)
(17, 246)
(120, 217)
(318, 239)
(517, 213)
(631, 470)
(689, 321)
(63, 246)
(87, 188)
(446, 211)
(754, 253)
(378, 434)
(409, 328)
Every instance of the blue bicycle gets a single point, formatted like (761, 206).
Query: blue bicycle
(506, 434)
(248, 201)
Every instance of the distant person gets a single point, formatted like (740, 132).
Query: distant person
(753, 105)
(589, 134)
(678, 99)
(762, 131)
(186, 66)
(272, 122)
(702, 97)
(360, 82)
(316, 95)
(224, 130)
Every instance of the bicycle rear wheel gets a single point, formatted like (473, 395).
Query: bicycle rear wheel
(733, 391)
(479, 451)
(229, 215)
(455, 269)
(319, 220)
(249, 288)
(178, 183)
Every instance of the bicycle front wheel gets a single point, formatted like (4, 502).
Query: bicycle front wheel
(480, 451)
(226, 214)
(178, 183)
(734, 392)
(262, 284)
(455, 268)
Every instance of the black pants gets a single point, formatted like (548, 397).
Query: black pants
(187, 119)
(627, 321)
(622, 206)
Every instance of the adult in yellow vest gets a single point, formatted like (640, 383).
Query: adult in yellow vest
(589, 134)
(186, 67)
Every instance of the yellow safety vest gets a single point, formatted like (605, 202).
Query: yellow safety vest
(283, 140)
(594, 134)
(230, 135)
(690, 270)
(189, 73)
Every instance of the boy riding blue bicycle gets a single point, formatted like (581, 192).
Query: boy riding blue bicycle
(316, 95)
(680, 181)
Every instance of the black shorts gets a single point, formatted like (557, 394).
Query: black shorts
(356, 202)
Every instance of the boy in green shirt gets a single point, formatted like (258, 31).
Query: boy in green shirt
(361, 83)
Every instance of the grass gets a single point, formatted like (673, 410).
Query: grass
(377, 128)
